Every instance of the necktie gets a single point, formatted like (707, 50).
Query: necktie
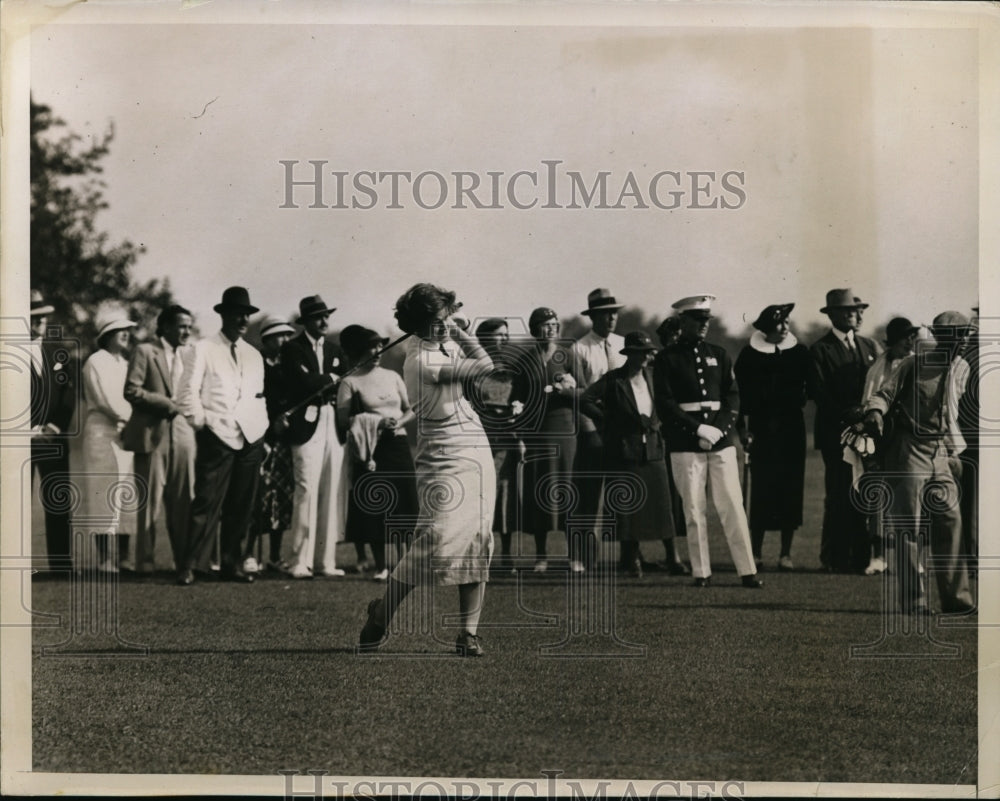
(176, 368)
(607, 353)
(232, 350)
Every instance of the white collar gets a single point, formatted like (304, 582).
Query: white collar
(167, 347)
(846, 337)
(313, 342)
(758, 342)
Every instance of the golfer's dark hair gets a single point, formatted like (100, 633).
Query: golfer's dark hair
(420, 304)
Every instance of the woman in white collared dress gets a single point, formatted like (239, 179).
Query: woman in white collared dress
(103, 471)
(456, 480)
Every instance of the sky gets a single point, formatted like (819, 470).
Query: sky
(851, 157)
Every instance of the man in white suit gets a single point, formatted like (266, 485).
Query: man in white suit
(222, 397)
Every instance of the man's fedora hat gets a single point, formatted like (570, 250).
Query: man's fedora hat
(638, 342)
(236, 298)
(842, 299)
(274, 325)
(601, 300)
(772, 316)
(312, 306)
(39, 307)
(899, 328)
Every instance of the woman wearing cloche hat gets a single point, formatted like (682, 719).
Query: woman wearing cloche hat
(771, 373)
(102, 469)
(621, 402)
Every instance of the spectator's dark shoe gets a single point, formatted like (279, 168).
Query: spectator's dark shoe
(185, 577)
(702, 582)
(468, 645)
(372, 635)
(678, 569)
(237, 574)
(752, 582)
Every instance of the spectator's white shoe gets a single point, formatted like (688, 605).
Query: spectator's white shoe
(785, 563)
(875, 566)
(250, 565)
(541, 566)
(334, 573)
(382, 575)
(300, 572)
(576, 566)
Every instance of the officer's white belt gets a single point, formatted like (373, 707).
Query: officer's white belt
(698, 406)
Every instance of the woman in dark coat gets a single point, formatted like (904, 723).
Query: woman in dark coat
(622, 404)
(771, 374)
(546, 384)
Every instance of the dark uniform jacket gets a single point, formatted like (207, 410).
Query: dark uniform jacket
(303, 377)
(54, 391)
(695, 386)
(836, 381)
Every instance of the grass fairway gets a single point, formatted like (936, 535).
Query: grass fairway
(729, 684)
(719, 683)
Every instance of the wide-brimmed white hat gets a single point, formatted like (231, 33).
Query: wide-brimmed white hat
(109, 324)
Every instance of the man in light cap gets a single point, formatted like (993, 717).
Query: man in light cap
(838, 363)
(596, 352)
(161, 437)
(698, 401)
(920, 454)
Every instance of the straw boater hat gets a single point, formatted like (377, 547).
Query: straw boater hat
(601, 300)
(313, 306)
(39, 307)
(236, 298)
(842, 299)
(274, 325)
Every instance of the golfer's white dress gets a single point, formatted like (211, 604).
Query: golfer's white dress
(456, 481)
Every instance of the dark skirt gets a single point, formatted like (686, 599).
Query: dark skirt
(546, 474)
(383, 503)
(277, 489)
(777, 472)
(637, 495)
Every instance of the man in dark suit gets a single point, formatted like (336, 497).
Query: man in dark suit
(311, 366)
(838, 363)
(161, 437)
(53, 400)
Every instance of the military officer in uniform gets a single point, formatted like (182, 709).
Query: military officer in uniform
(698, 402)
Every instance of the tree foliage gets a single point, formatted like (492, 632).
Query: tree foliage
(76, 266)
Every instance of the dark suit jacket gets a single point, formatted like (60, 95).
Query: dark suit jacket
(836, 380)
(54, 391)
(681, 378)
(148, 389)
(628, 436)
(303, 377)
